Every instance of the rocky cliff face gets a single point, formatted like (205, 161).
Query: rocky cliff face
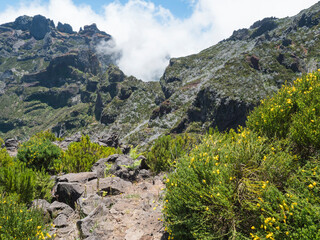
(53, 77)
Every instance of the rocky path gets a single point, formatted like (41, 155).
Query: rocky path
(96, 208)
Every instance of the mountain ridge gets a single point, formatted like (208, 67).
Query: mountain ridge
(57, 79)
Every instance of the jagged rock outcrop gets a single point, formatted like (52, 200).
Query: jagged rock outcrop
(65, 28)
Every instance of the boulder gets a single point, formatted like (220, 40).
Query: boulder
(68, 192)
(109, 186)
(82, 177)
(88, 204)
(11, 144)
(99, 167)
(40, 26)
(61, 221)
(56, 208)
(109, 140)
(87, 225)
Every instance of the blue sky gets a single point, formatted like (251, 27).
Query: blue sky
(149, 32)
(179, 8)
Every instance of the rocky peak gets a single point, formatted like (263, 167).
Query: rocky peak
(65, 28)
(91, 30)
(40, 26)
(22, 23)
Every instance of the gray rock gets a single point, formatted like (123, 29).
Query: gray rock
(82, 177)
(87, 225)
(61, 221)
(69, 192)
(56, 208)
(109, 186)
(66, 28)
(99, 167)
(11, 144)
(109, 140)
(40, 204)
(22, 23)
(43, 205)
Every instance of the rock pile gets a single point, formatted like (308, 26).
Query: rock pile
(114, 202)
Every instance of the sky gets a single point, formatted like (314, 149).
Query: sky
(150, 32)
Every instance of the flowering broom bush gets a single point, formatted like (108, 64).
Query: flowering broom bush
(293, 113)
(261, 182)
(19, 222)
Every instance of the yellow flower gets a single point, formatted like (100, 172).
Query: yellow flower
(310, 186)
(287, 233)
(289, 101)
(277, 227)
(269, 235)
(207, 209)
(204, 181)
(253, 228)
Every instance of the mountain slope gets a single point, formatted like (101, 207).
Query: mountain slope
(57, 79)
(225, 81)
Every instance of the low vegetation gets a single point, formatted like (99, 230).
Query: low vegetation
(26, 177)
(80, 156)
(260, 182)
(257, 182)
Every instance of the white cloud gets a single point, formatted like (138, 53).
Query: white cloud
(148, 34)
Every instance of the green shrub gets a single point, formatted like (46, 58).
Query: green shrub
(39, 152)
(167, 149)
(260, 183)
(18, 222)
(134, 152)
(293, 113)
(5, 159)
(26, 183)
(214, 191)
(80, 156)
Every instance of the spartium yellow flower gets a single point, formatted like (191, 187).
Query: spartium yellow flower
(269, 235)
(253, 228)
